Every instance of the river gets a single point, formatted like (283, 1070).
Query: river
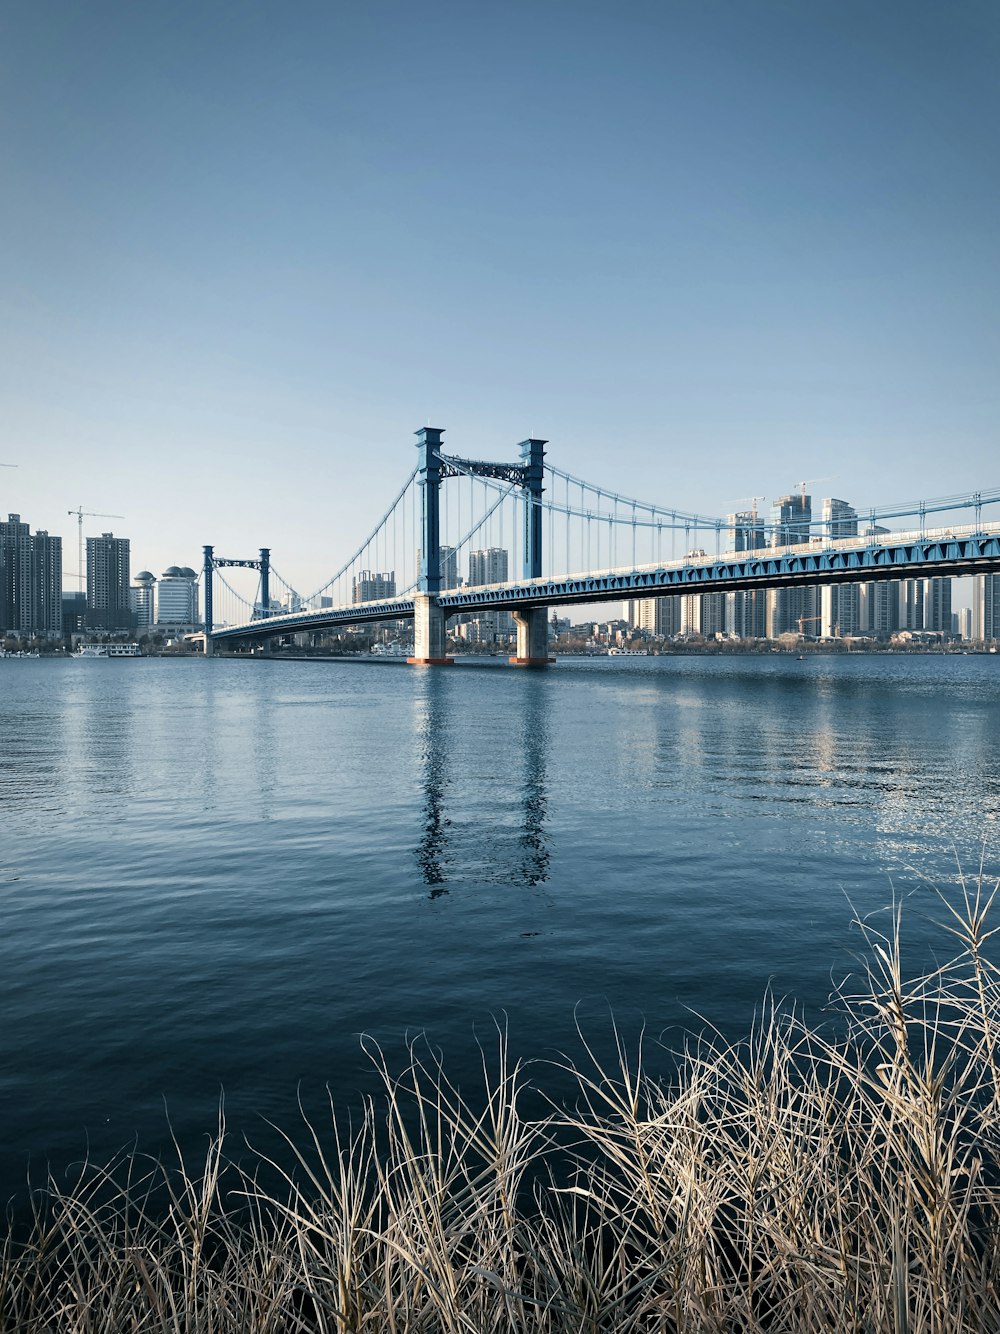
(219, 875)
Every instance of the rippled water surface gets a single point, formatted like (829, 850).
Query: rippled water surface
(221, 874)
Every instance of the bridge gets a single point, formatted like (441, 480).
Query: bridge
(583, 543)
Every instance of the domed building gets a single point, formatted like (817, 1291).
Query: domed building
(177, 598)
(142, 600)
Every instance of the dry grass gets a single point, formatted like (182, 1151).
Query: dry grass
(802, 1180)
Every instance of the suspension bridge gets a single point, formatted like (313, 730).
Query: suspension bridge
(578, 542)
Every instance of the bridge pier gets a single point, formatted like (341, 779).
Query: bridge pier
(429, 639)
(532, 637)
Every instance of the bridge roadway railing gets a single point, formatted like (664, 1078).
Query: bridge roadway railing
(940, 552)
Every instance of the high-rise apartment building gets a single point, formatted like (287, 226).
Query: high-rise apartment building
(488, 567)
(656, 616)
(986, 607)
(840, 604)
(791, 517)
(839, 518)
(879, 608)
(30, 581)
(448, 558)
(937, 605)
(108, 582)
(372, 586)
(712, 615)
(746, 612)
(746, 531)
(911, 603)
(792, 610)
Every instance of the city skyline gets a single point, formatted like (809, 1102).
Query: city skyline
(247, 254)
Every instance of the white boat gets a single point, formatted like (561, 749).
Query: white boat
(108, 651)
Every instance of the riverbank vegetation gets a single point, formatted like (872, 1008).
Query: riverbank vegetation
(834, 1177)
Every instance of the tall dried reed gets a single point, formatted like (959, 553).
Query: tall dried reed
(804, 1180)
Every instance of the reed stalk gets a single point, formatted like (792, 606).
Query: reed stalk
(809, 1178)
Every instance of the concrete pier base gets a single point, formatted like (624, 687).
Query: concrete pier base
(429, 642)
(532, 638)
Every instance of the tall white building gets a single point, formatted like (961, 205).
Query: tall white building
(142, 600)
(937, 605)
(986, 607)
(177, 597)
(488, 567)
(657, 616)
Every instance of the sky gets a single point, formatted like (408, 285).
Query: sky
(707, 248)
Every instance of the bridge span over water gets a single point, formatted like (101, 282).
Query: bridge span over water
(580, 543)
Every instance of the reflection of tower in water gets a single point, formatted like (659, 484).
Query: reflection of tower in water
(430, 727)
(474, 843)
(534, 740)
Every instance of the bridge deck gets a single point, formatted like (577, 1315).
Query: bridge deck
(937, 553)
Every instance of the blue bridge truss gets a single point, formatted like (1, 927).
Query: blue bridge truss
(807, 562)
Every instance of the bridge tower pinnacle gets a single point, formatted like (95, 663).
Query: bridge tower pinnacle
(533, 461)
(265, 581)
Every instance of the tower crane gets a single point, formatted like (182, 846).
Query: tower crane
(811, 481)
(91, 514)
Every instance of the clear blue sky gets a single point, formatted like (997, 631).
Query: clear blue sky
(707, 249)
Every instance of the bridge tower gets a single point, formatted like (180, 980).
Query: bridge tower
(207, 570)
(265, 581)
(429, 619)
(532, 622)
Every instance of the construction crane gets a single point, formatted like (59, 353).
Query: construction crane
(91, 514)
(752, 502)
(811, 481)
(804, 620)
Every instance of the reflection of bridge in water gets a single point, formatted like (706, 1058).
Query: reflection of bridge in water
(513, 852)
(580, 543)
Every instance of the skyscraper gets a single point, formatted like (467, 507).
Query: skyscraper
(878, 603)
(986, 607)
(746, 531)
(839, 518)
(937, 605)
(792, 610)
(880, 608)
(448, 557)
(372, 586)
(177, 596)
(657, 616)
(747, 612)
(713, 614)
(108, 582)
(840, 604)
(911, 603)
(791, 517)
(30, 581)
(141, 600)
(488, 567)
